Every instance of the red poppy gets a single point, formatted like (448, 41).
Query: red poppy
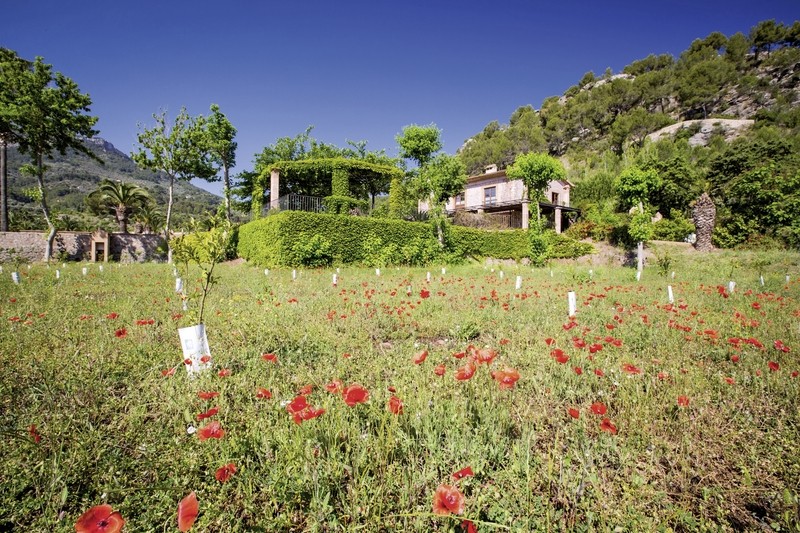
(334, 387)
(562, 358)
(594, 348)
(297, 405)
(631, 369)
(773, 366)
(598, 372)
(469, 526)
(224, 372)
(391, 389)
(424, 293)
(207, 395)
(607, 425)
(466, 371)
(347, 355)
(506, 378)
(464, 472)
(263, 394)
(730, 381)
(112, 316)
(212, 430)
(459, 355)
(121, 333)
(549, 341)
(395, 405)
(205, 359)
(225, 472)
(448, 500)
(355, 394)
(599, 408)
(271, 357)
(503, 342)
(683, 401)
(440, 369)
(305, 390)
(735, 358)
(188, 509)
(486, 355)
(574, 413)
(420, 357)
(100, 519)
(782, 347)
(168, 372)
(34, 433)
(187, 362)
(578, 370)
(578, 343)
(662, 376)
(208, 414)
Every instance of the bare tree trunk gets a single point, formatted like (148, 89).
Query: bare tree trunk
(640, 247)
(3, 185)
(169, 208)
(227, 191)
(51, 228)
(122, 218)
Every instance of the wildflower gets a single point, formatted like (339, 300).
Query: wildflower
(782, 347)
(464, 472)
(424, 293)
(599, 373)
(730, 381)
(188, 510)
(263, 394)
(211, 431)
(599, 408)
(168, 372)
(34, 433)
(506, 378)
(224, 372)
(608, 426)
(631, 369)
(112, 316)
(448, 500)
(465, 372)
(207, 395)
(440, 369)
(773, 366)
(574, 413)
(420, 357)
(225, 472)
(355, 394)
(121, 333)
(334, 387)
(305, 390)
(683, 401)
(270, 357)
(578, 370)
(486, 355)
(208, 414)
(395, 405)
(100, 519)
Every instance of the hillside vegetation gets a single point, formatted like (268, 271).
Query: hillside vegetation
(601, 125)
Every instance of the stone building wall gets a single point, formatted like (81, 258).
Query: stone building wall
(76, 246)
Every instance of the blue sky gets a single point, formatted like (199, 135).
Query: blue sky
(358, 70)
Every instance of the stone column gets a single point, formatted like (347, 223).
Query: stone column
(558, 219)
(525, 213)
(274, 188)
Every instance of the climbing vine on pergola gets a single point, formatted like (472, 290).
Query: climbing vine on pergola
(342, 173)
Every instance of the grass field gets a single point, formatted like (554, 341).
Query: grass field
(636, 415)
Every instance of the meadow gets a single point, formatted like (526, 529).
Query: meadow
(393, 403)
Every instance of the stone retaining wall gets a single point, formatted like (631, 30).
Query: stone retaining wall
(76, 246)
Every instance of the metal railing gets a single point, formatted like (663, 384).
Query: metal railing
(298, 202)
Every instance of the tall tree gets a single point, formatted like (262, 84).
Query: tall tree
(222, 149)
(177, 150)
(417, 143)
(440, 178)
(51, 116)
(121, 199)
(536, 171)
(12, 70)
(635, 186)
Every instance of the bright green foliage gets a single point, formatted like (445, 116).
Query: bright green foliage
(203, 249)
(49, 114)
(178, 150)
(343, 205)
(340, 182)
(442, 177)
(641, 227)
(635, 185)
(220, 134)
(419, 143)
(311, 251)
(270, 241)
(123, 200)
(675, 228)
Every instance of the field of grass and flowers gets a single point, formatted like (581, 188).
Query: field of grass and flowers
(390, 403)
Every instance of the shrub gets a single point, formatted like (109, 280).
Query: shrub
(676, 228)
(312, 251)
(343, 205)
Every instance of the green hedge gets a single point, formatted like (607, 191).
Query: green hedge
(274, 240)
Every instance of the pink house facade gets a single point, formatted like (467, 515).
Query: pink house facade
(493, 193)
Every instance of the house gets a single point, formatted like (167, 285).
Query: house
(492, 193)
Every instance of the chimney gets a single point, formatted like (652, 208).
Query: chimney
(488, 169)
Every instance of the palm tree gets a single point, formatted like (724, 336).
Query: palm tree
(150, 217)
(121, 199)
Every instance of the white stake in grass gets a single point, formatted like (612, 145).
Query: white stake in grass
(670, 298)
(572, 303)
(294, 275)
(444, 271)
(84, 271)
(101, 268)
(335, 280)
(195, 346)
(787, 278)
(428, 277)
(266, 272)
(731, 286)
(673, 274)
(518, 285)
(551, 273)
(761, 279)
(502, 274)
(408, 290)
(178, 285)
(15, 277)
(377, 271)
(638, 275)
(58, 274)
(591, 273)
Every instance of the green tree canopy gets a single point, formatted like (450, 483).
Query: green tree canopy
(123, 200)
(419, 143)
(221, 147)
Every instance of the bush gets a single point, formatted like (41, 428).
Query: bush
(271, 240)
(676, 228)
(343, 205)
(563, 247)
(311, 251)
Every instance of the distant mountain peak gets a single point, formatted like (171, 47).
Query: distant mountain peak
(104, 145)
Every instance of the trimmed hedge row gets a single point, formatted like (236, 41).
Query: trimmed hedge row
(275, 239)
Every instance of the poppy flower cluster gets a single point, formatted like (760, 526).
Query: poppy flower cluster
(301, 410)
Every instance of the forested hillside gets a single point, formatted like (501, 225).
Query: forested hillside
(601, 125)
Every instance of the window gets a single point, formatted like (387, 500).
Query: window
(490, 196)
(554, 198)
(460, 199)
